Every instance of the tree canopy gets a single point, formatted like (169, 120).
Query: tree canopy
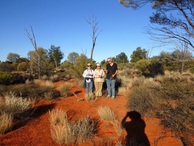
(172, 22)
(138, 54)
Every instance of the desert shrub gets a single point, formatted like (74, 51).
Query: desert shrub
(44, 77)
(32, 90)
(143, 65)
(48, 84)
(179, 118)
(106, 113)
(22, 66)
(54, 78)
(174, 88)
(142, 99)
(5, 78)
(138, 81)
(48, 95)
(5, 122)
(65, 90)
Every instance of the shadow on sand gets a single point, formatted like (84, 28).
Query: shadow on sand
(135, 128)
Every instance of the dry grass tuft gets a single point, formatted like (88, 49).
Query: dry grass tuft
(106, 113)
(64, 131)
(16, 105)
(65, 90)
(5, 122)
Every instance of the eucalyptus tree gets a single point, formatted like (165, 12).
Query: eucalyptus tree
(138, 54)
(12, 57)
(172, 22)
(72, 57)
(55, 55)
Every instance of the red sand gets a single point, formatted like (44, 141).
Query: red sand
(36, 132)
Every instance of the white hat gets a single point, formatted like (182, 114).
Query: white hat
(98, 64)
(89, 64)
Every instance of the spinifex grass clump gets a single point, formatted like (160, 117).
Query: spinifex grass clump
(106, 113)
(12, 107)
(65, 131)
(65, 90)
(5, 122)
(16, 105)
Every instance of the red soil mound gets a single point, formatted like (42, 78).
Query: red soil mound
(36, 131)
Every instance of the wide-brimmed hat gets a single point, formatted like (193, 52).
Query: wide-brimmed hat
(98, 64)
(89, 65)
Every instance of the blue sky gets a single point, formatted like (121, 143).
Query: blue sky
(63, 23)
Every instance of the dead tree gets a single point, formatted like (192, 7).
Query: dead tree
(32, 39)
(95, 32)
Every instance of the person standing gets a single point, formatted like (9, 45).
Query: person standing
(88, 75)
(111, 73)
(99, 75)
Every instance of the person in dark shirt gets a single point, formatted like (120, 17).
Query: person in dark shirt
(111, 73)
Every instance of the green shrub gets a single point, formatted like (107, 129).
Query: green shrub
(143, 100)
(143, 65)
(22, 66)
(5, 78)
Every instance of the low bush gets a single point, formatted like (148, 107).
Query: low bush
(5, 78)
(143, 100)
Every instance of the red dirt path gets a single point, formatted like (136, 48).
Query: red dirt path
(36, 132)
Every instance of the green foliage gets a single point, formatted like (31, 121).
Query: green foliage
(142, 99)
(28, 90)
(22, 66)
(72, 57)
(143, 65)
(55, 55)
(12, 57)
(138, 54)
(122, 58)
(5, 78)
(65, 90)
(155, 68)
(6, 67)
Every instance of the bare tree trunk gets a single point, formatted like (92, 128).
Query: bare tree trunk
(92, 21)
(32, 39)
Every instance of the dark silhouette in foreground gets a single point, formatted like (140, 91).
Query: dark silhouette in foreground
(135, 129)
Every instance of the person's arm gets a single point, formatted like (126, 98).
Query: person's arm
(84, 74)
(115, 73)
(124, 120)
